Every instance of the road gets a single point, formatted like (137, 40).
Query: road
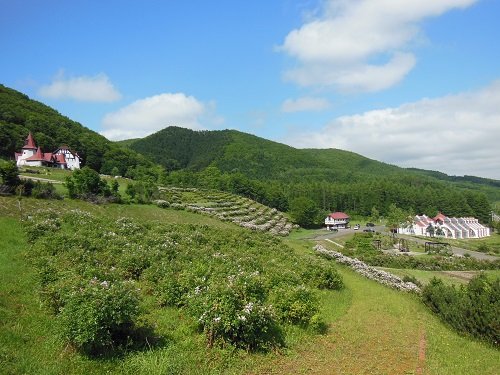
(40, 179)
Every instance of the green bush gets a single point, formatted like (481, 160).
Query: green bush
(322, 275)
(296, 305)
(473, 309)
(99, 316)
(86, 183)
(44, 191)
(234, 311)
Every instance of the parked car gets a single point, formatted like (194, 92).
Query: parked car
(370, 224)
(356, 227)
(369, 230)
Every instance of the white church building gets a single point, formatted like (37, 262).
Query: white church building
(32, 156)
(448, 227)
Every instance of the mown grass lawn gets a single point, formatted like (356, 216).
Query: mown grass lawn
(385, 332)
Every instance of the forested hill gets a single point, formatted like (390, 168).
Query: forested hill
(234, 151)
(276, 174)
(19, 115)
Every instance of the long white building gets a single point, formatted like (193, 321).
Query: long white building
(448, 227)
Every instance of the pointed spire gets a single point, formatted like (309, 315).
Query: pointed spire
(29, 142)
(38, 154)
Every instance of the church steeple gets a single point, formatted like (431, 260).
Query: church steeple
(29, 143)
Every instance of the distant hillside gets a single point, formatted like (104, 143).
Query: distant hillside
(276, 174)
(231, 151)
(234, 151)
(19, 115)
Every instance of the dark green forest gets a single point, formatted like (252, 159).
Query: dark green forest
(269, 172)
(276, 174)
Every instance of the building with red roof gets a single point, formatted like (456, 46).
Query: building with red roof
(32, 156)
(337, 220)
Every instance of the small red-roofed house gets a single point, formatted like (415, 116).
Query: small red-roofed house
(337, 220)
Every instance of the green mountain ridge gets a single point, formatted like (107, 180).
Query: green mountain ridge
(231, 150)
(276, 174)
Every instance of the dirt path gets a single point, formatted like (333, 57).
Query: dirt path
(40, 179)
(421, 353)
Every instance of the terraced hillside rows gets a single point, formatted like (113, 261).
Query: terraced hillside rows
(228, 207)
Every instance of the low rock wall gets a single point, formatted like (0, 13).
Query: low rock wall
(372, 273)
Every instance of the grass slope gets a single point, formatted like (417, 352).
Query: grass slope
(28, 340)
(373, 329)
(385, 332)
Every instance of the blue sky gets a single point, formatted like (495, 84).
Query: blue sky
(412, 83)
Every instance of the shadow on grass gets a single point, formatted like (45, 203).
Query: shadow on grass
(126, 340)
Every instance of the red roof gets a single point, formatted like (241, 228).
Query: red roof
(339, 215)
(440, 217)
(29, 142)
(38, 155)
(60, 159)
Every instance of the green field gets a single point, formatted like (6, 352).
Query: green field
(371, 328)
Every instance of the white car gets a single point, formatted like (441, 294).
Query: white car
(356, 227)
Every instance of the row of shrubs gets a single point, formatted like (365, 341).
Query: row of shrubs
(239, 288)
(472, 309)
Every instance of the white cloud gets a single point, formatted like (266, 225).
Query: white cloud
(88, 89)
(456, 134)
(305, 104)
(148, 115)
(336, 48)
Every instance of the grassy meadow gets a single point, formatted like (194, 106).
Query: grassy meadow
(371, 329)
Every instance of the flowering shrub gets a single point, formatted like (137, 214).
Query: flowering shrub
(236, 313)
(322, 275)
(239, 286)
(47, 222)
(162, 203)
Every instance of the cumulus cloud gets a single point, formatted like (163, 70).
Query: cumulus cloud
(336, 48)
(88, 89)
(148, 115)
(305, 104)
(456, 134)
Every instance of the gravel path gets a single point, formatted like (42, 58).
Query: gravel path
(40, 179)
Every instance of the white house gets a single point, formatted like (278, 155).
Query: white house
(337, 220)
(32, 156)
(448, 227)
